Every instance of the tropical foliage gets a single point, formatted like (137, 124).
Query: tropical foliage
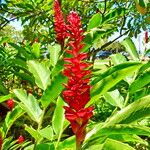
(51, 64)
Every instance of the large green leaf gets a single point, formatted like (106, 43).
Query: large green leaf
(40, 72)
(111, 77)
(140, 82)
(58, 116)
(54, 53)
(29, 104)
(116, 145)
(95, 21)
(130, 48)
(114, 98)
(100, 132)
(53, 90)
(133, 112)
(11, 117)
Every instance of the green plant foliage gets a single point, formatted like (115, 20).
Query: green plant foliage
(111, 77)
(130, 48)
(40, 72)
(29, 104)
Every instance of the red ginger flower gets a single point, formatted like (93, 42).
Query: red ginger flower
(60, 26)
(77, 93)
(20, 139)
(10, 103)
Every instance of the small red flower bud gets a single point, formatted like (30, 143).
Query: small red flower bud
(10, 103)
(20, 139)
(29, 91)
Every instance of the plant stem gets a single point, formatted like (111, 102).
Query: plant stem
(39, 126)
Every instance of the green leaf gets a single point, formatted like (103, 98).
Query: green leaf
(117, 12)
(3, 88)
(11, 117)
(130, 48)
(36, 49)
(140, 82)
(35, 134)
(4, 98)
(53, 90)
(100, 132)
(114, 98)
(95, 21)
(58, 116)
(118, 59)
(54, 53)
(133, 112)
(26, 77)
(40, 72)
(111, 77)
(45, 146)
(47, 133)
(68, 143)
(29, 104)
(116, 145)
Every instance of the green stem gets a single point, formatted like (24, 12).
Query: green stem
(126, 100)
(39, 126)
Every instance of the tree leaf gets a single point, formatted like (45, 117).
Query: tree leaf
(29, 104)
(130, 48)
(40, 72)
(95, 21)
(114, 98)
(53, 90)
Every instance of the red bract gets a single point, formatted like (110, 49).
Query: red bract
(77, 93)
(60, 27)
(20, 139)
(10, 103)
(1, 142)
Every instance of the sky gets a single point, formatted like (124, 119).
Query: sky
(137, 41)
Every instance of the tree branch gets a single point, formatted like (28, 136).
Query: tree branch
(107, 44)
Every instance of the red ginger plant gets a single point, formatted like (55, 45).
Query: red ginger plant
(77, 92)
(1, 141)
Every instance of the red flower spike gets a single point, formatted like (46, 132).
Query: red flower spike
(10, 103)
(77, 93)
(146, 37)
(20, 139)
(60, 26)
(1, 141)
